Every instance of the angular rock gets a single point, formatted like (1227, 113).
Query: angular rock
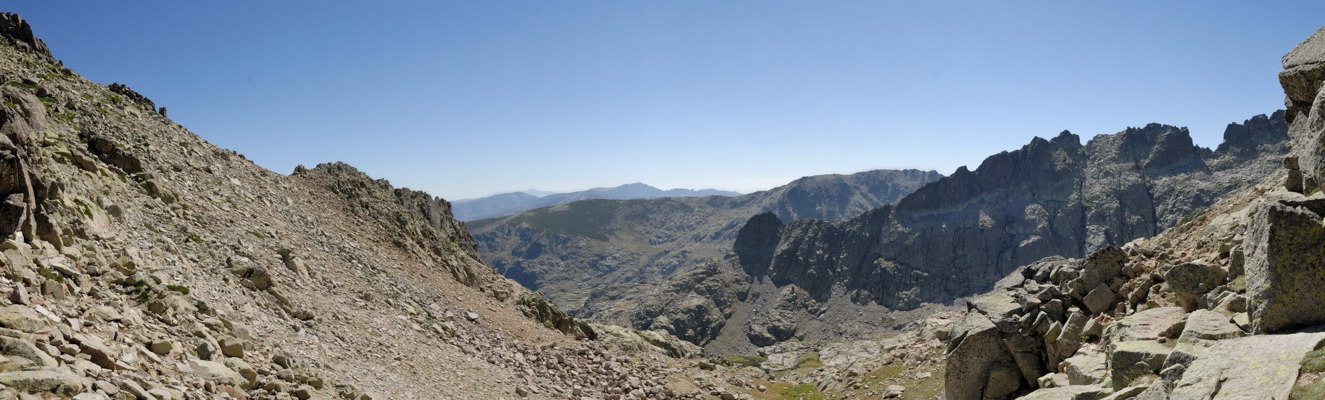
(1209, 325)
(232, 347)
(1150, 324)
(1193, 279)
(217, 372)
(1131, 360)
(1085, 368)
(977, 355)
(1254, 367)
(17, 347)
(22, 318)
(1078, 392)
(1102, 265)
(43, 381)
(103, 355)
(1285, 267)
(1100, 299)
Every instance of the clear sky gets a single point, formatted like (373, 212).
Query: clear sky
(464, 99)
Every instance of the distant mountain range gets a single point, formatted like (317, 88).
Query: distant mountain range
(596, 257)
(500, 205)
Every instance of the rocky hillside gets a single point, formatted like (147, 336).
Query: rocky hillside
(504, 204)
(596, 257)
(140, 261)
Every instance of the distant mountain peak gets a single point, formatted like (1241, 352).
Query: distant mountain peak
(500, 205)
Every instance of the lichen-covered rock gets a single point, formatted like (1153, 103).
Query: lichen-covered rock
(1131, 360)
(1193, 279)
(1209, 325)
(977, 358)
(1147, 325)
(1253, 367)
(1086, 368)
(1285, 265)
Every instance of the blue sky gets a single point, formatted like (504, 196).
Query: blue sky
(464, 99)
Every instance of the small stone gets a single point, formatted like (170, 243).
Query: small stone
(19, 295)
(893, 391)
(206, 351)
(162, 347)
(232, 347)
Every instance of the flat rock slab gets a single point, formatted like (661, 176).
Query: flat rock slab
(1148, 325)
(1210, 325)
(1254, 367)
(1130, 360)
(1078, 392)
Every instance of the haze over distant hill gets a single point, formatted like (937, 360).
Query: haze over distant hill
(596, 256)
(500, 205)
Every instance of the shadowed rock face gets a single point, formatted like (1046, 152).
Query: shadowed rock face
(14, 28)
(958, 235)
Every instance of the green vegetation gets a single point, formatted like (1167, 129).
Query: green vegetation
(11, 106)
(588, 218)
(744, 360)
(809, 360)
(1314, 361)
(1310, 391)
(786, 391)
(1239, 284)
(25, 85)
(178, 289)
(51, 274)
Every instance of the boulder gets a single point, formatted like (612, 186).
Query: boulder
(1193, 279)
(18, 347)
(1133, 359)
(1100, 299)
(1304, 70)
(1086, 368)
(1224, 368)
(977, 360)
(44, 381)
(1148, 325)
(217, 372)
(1068, 393)
(1102, 265)
(1285, 267)
(22, 318)
(1209, 325)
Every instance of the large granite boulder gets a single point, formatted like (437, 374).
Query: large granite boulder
(979, 365)
(1285, 266)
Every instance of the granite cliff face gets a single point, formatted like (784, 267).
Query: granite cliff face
(958, 235)
(597, 257)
